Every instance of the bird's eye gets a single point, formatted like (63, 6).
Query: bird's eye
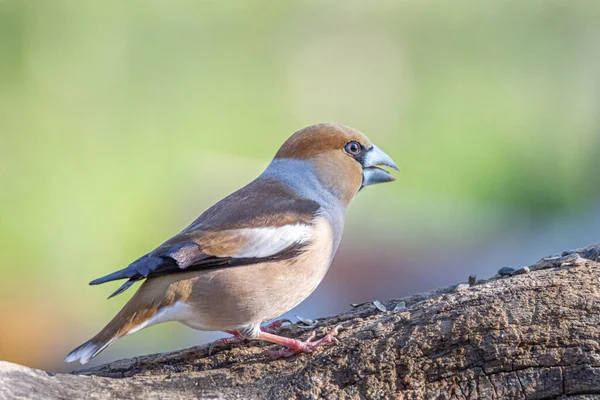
(353, 148)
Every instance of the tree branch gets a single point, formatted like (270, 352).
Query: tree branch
(532, 335)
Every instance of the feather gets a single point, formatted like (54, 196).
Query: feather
(231, 233)
(123, 287)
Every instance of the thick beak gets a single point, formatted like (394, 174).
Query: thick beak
(371, 173)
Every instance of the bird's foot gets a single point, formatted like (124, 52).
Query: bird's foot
(294, 346)
(236, 338)
(270, 328)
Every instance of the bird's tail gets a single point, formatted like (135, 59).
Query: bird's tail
(88, 350)
(137, 314)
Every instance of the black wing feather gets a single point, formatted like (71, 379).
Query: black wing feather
(160, 260)
(270, 199)
(124, 287)
(151, 266)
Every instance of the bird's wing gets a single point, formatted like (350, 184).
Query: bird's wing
(263, 221)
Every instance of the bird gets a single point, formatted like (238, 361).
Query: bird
(257, 253)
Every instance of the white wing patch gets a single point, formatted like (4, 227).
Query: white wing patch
(268, 241)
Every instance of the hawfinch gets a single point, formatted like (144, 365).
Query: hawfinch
(257, 253)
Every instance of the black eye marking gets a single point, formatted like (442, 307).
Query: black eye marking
(353, 148)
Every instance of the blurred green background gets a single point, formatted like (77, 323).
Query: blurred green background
(121, 121)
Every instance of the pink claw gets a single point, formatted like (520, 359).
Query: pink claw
(236, 338)
(270, 328)
(295, 346)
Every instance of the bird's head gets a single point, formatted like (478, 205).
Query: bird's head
(344, 159)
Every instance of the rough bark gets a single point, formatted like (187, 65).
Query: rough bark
(532, 335)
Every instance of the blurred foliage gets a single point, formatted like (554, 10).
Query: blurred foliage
(121, 121)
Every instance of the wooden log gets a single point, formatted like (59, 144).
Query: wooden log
(531, 334)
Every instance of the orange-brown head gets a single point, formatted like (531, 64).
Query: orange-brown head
(345, 160)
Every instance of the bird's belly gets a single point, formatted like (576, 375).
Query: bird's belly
(235, 297)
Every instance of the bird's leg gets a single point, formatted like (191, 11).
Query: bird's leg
(270, 328)
(295, 346)
(236, 338)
